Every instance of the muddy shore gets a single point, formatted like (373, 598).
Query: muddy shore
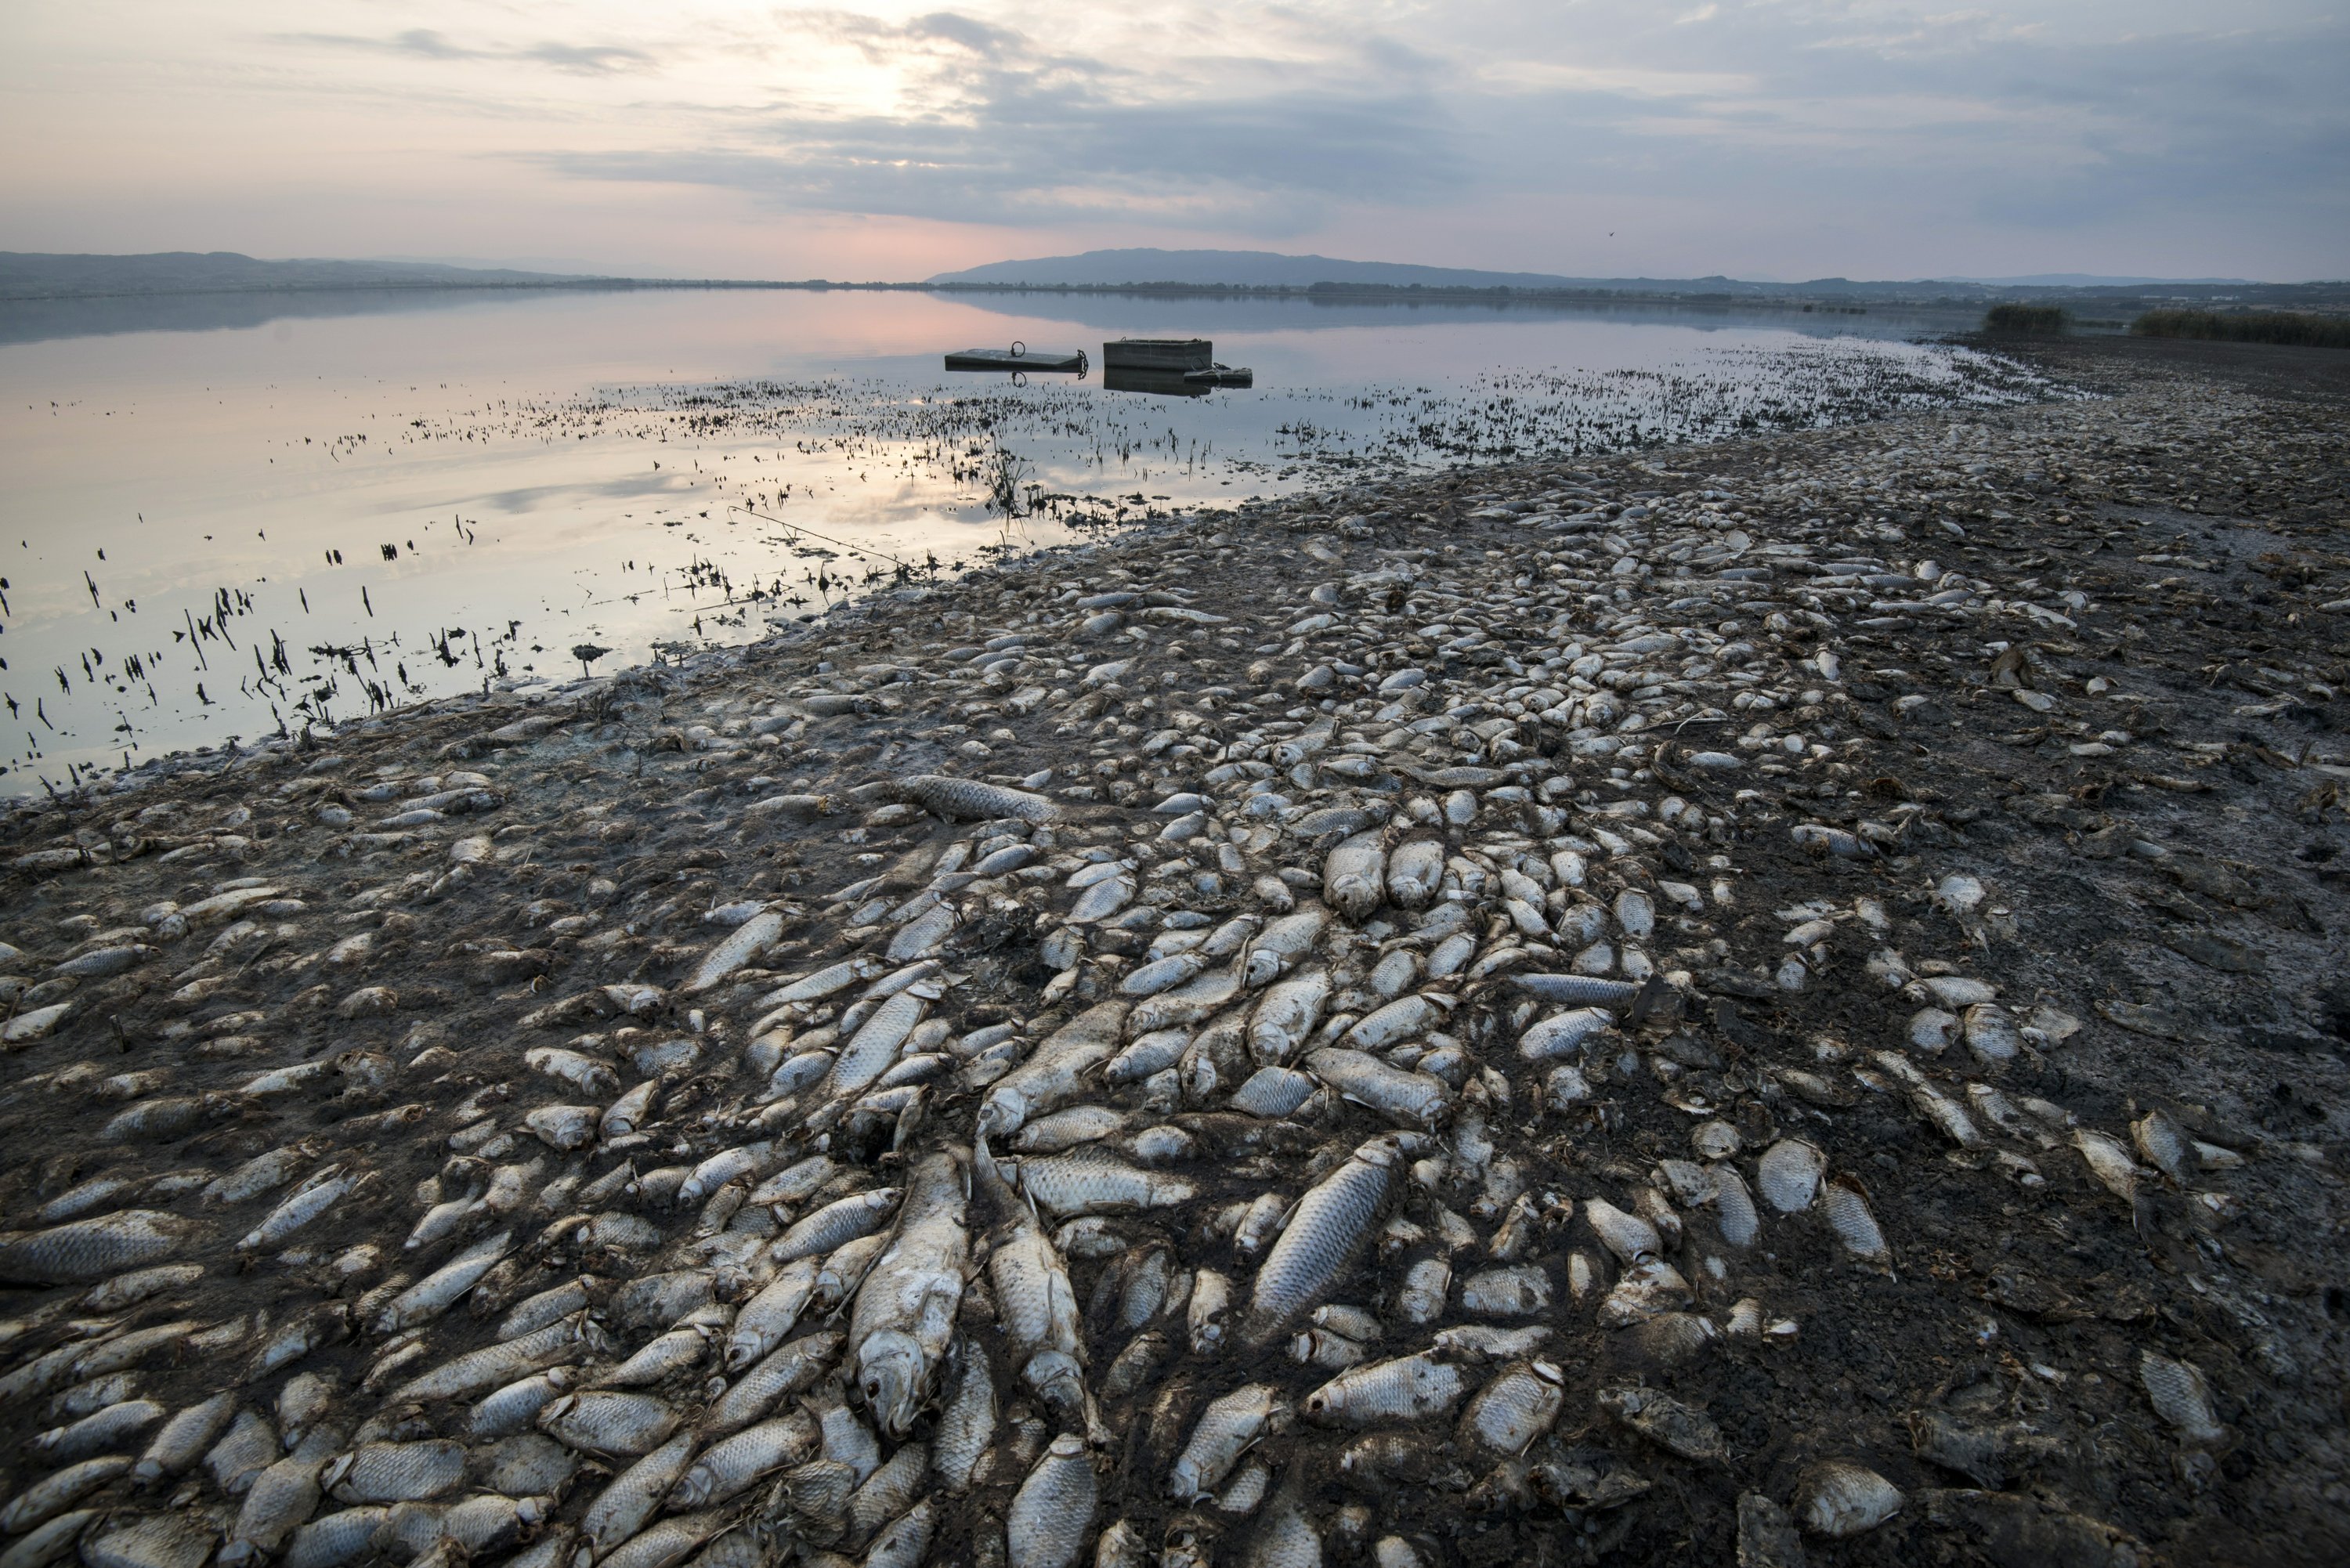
(1953, 806)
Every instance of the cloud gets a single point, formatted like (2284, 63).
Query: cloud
(985, 126)
(1806, 135)
(424, 44)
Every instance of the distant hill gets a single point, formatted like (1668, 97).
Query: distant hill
(2094, 280)
(1243, 269)
(1268, 269)
(26, 274)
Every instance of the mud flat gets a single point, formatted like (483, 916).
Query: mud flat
(1771, 1002)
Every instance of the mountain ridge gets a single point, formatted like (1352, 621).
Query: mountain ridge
(1273, 269)
(46, 275)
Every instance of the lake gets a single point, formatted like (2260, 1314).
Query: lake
(240, 513)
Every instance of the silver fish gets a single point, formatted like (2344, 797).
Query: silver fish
(1332, 1223)
(629, 1503)
(791, 1369)
(734, 1463)
(968, 800)
(1046, 1524)
(283, 1497)
(1227, 1430)
(87, 1250)
(1564, 1033)
(1277, 949)
(842, 1220)
(1789, 1175)
(966, 1421)
(1414, 871)
(1838, 1499)
(766, 1320)
(395, 1473)
(1286, 1014)
(906, 1308)
(747, 941)
(59, 1491)
(183, 1439)
(1089, 1181)
(1408, 1388)
(1414, 1099)
(439, 1291)
(608, 1423)
(1035, 1304)
(1053, 1074)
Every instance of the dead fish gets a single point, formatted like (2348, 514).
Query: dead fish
(905, 1312)
(1789, 1174)
(1332, 1224)
(967, 1420)
(1353, 877)
(2109, 1162)
(1045, 1525)
(2180, 1395)
(1408, 1388)
(439, 1291)
(1564, 1033)
(1838, 1499)
(627, 1503)
(1277, 949)
(111, 1427)
(1051, 1075)
(968, 800)
(183, 1439)
(59, 1491)
(1848, 1217)
(836, 1223)
(1228, 1428)
(766, 1320)
(87, 1250)
(1088, 1181)
(612, 1424)
(1675, 1427)
(747, 941)
(395, 1473)
(1518, 1406)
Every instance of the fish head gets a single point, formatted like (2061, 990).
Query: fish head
(1058, 1380)
(692, 1489)
(890, 1371)
(1004, 1113)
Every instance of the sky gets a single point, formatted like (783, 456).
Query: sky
(1761, 138)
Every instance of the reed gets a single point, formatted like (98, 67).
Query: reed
(2246, 326)
(2026, 320)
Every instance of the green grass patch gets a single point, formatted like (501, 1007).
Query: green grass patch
(2027, 320)
(2246, 326)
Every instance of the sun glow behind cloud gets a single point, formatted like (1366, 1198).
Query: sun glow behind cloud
(1771, 137)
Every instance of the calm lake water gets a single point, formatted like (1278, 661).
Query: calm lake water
(227, 514)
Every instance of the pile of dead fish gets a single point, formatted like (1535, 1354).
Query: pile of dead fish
(1212, 1075)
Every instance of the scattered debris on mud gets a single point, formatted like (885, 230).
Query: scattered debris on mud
(1769, 1002)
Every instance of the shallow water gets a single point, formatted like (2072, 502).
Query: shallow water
(237, 512)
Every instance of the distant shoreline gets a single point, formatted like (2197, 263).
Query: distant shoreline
(1857, 299)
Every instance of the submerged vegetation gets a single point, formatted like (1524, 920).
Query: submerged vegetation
(2246, 326)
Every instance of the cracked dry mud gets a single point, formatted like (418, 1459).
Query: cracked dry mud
(1766, 1002)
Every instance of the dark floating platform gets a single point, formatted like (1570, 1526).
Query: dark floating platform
(1019, 357)
(1181, 355)
(1169, 367)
